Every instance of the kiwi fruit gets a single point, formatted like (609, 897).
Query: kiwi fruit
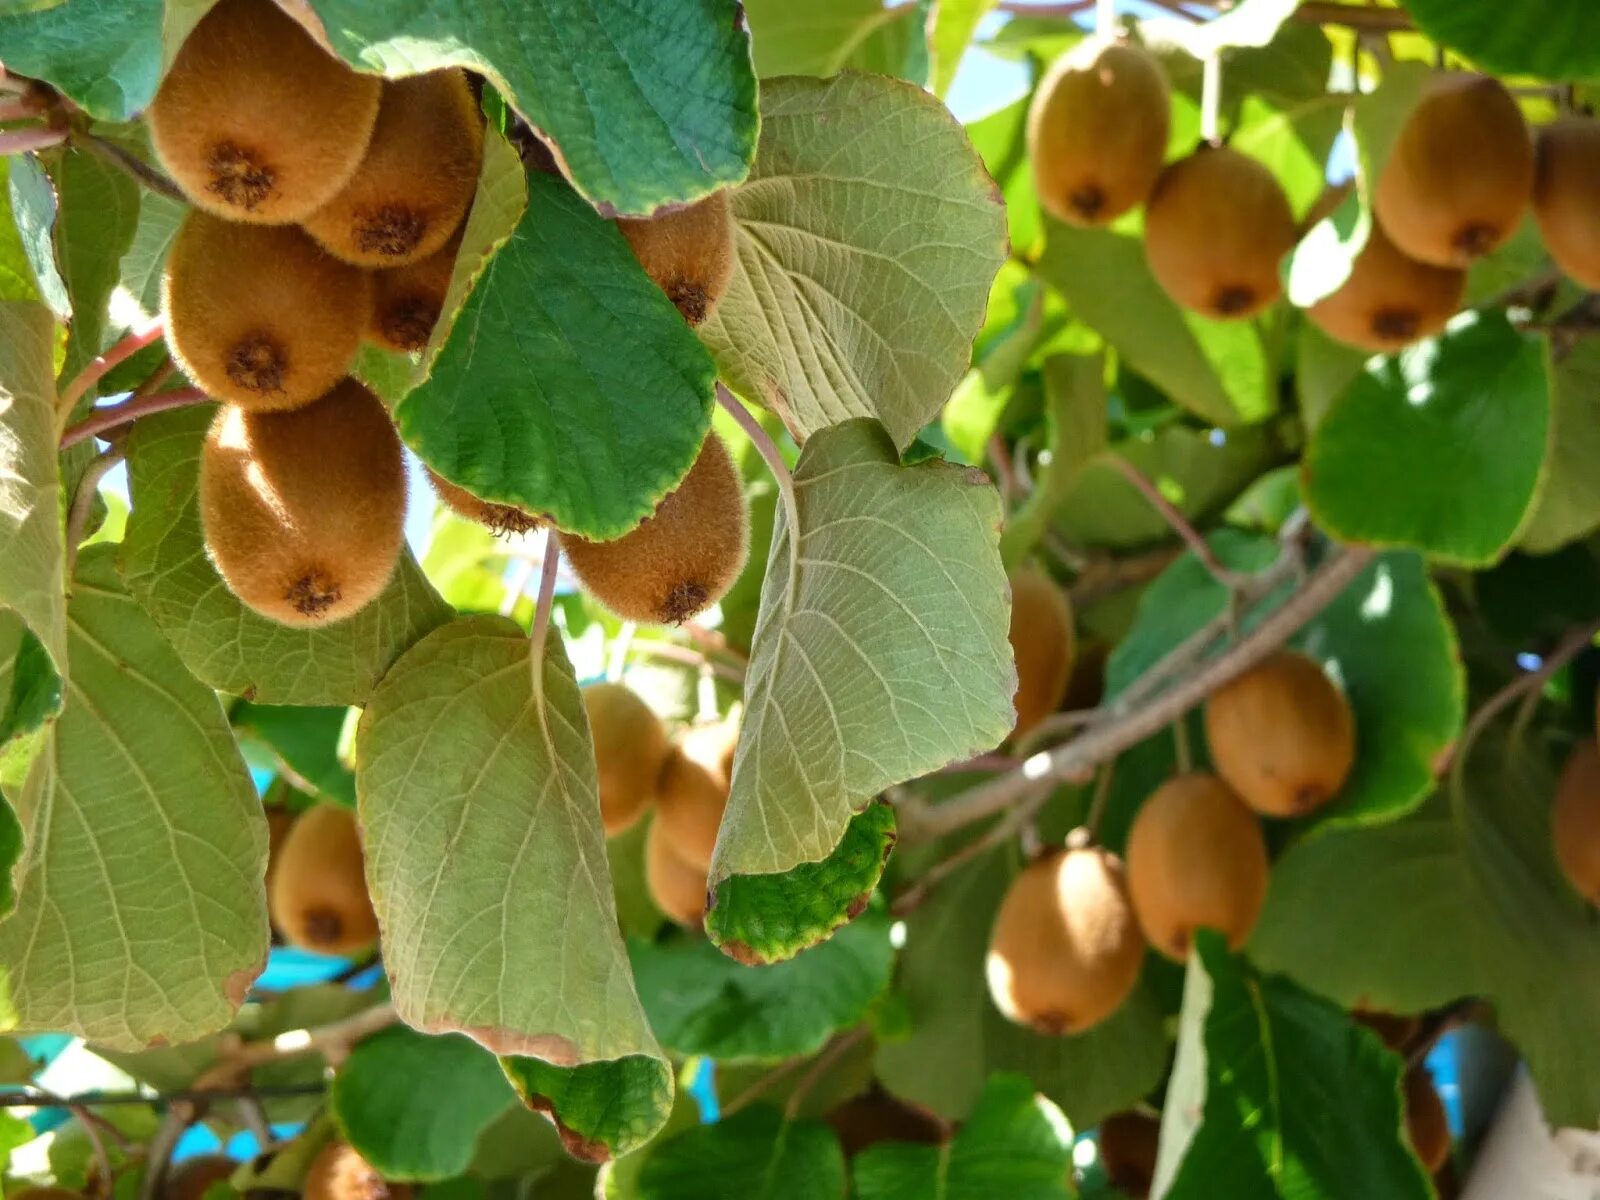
(1065, 950)
(1566, 182)
(499, 519)
(1127, 1144)
(1042, 643)
(1215, 229)
(692, 789)
(416, 182)
(259, 315)
(682, 558)
(339, 1173)
(1196, 860)
(677, 886)
(1427, 1126)
(875, 1117)
(255, 121)
(688, 252)
(630, 747)
(304, 511)
(1575, 820)
(1389, 300)
(407, 301)
(279, 822)
(1282, 735)
(189, 1179)
(318, 899)
(1459, 175)
(1097, 131)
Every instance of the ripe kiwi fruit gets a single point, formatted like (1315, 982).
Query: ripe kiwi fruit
(339, 1173)
(677, 886)
(259, 315)
(1215, 229)
(679, 560)
(1282, 735)
(1128, 1142)
(1389, 300)
(304, 512)
(1575, 820)
(407, 301)
(416, 181)
(1097, 131)
(1427, 1126)
(1042, 642)
(688, 252)
(318, 899)
(255, 121)
(189, 1179)
(692, 789)
(1459, 175)
(498, 518)
(1065, 951)
(630, 746)
(1566, 182)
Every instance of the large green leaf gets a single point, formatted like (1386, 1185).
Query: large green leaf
(954, 23)
(1568, 504)
(106, 57)
(28, 266)
(224, 643)
(488, 872)
(756, 1154)
(141, 266)
(828, 36)
(839, 305)
(1558, 39)
(99, 211)
(141, 912)
(305, 740)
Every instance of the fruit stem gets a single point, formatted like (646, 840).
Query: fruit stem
(1179, 523)
(129, 163)
(102, 419)
(1211, 97)
(1097, 804)
(541, 611)
(132, 342)
(83, 502)
(775, 464)
(1180, 743)
(21, 141)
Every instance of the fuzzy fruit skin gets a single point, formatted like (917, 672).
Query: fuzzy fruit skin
(1042, 643)
(318, 899)
(255, 121)
(1389, 300)
(189, 1179)
(498, 519)
(1196, 860)
(1065, 951)
(1128, 1142)
(682, 558)
(259, 316)
(304, 512)
(630, 746)
(1459, 175)
(1215, 228)
(688, 253)
(1282, 736)
(407, 301)
(677, 887)
(339, 1173)
(1566, 196)
(1097, 131)
(692, 790)
(413, 188)
(1575, 820)
(1427, 1127)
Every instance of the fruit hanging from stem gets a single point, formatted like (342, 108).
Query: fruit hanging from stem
(1042, 642)
(630, 747)
(1566, 196)
(1389, 300)
(688, 252)
(318, 899)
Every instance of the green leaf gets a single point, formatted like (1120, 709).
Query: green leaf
(954, 23)
(141, 266)
(545, 365)
(702, 1002)
(493, 859)
(1015, 1144)
(306, 739)
(107, 58)
(141, 911)
(28, 267)
(1387, 464)
(225, 644)
(1324, 369)
(821, 38)
(1558, 40)
(754, 1155)
(840, 307)
(1002, 139)
(99, 212)
(1568, 503)
(1249, 23)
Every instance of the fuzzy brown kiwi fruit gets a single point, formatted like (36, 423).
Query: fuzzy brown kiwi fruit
(339, 1173)
(1196, 860)
(413, 187)
(1127, 1143)
(1065, 951)
(1389, 300)
(1575, 820)
(1282, 735)
(1566, 196)
(304, 512)
(318, 899)
(1427, 1126)
(1097, 131)
(259, 315)
(1042, 642)
(688, 252)
(407, 301)
(255, 121)
(692, 789)
(677, 886)
(683, 557)
(1215, 229)
(506, 519)
(1459, 175)
(630, 747)
(189, 1179)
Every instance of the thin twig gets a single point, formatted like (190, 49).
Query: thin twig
(254, 1118)
(1101, 797)
(132, 342)
(83, 502)
(1180, 746)
(780, 471)
(103, 1182)
(1005, 473)
(1109, 575)
(831, 1054)
(996, 835)
(541, 611)
(113, 416)
(37, 1099)
(1354, 16)
(979, 762)
(685, 656)
(128, 162)
(1052, 727)
(22, 141)
(1174, 517)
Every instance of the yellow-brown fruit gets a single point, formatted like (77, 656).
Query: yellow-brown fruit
(1427, 1126)
(1566, 196)
(415, 183)
(688, 252)
(318, 899)
(1042, 642)
(339, 1173)
(407, 301)
(255, 121)
(1459, 175)
(630, 746)
(189, 1179)
(1196, 860)
(692, 790)
(1215, 229)
(677, 887)
(304, 512)
(1065, 951)
(682, 558)
(1575, 820)
(1127, 1142)
(1389, 300)
(498, 519)
(279, 822)
(1097, 131)
(260, 316)
(1282, 736)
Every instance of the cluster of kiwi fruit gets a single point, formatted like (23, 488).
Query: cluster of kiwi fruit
(1461, 174)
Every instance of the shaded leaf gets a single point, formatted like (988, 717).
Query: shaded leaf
(754, 1155)
(95, 224)
(1568, 503)
(1559, 40)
